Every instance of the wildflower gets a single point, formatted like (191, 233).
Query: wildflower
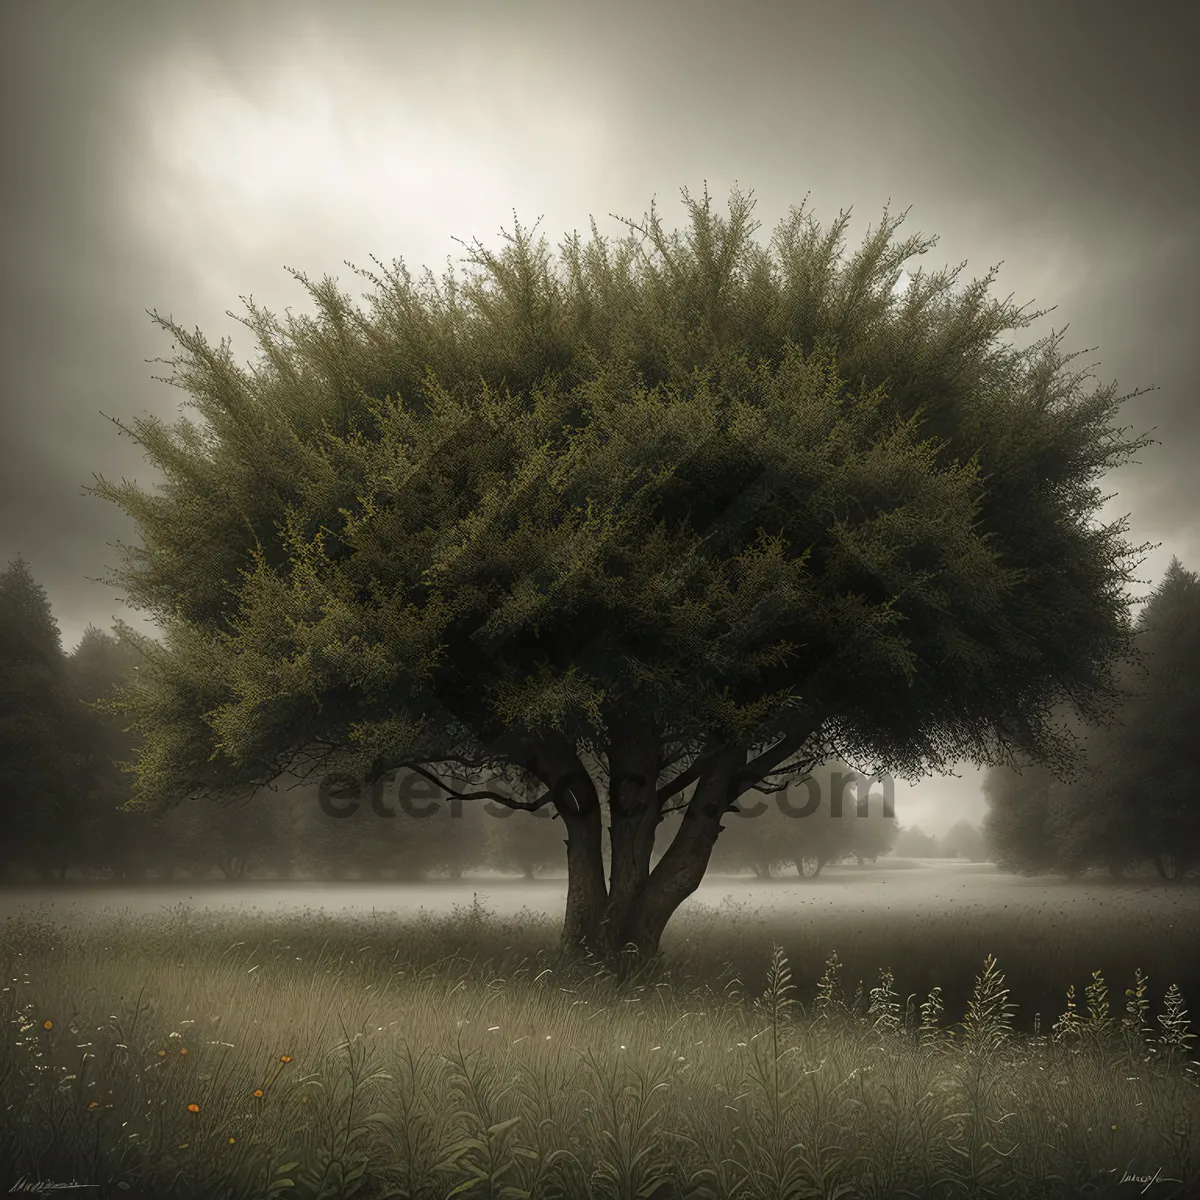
(47, 1024)
(94, 1104)
(285, 1058)
(232, 1140)
(1114, 1129)
(182, 1049)
(193, 1108)
(162, 1054)
(258, 1093)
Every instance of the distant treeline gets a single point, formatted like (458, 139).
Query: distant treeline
(1135, 798)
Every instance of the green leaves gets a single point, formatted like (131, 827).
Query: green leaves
(536, 460)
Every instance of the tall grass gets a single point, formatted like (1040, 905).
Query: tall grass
(309, 1056)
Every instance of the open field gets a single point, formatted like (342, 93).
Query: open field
(203, 1050)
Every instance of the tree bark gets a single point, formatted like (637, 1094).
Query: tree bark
(632, 908)
(550, 758)
(681, 869)
(635, 760)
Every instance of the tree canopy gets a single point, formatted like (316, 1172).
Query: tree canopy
(649, 530)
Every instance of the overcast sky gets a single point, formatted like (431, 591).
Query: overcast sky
(177, 156)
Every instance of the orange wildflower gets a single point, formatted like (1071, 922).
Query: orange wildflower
(47, 1024)
(193, 1108)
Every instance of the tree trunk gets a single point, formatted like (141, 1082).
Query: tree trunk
(552, 759)
(808, 866)
(633, 910)
(681, 869)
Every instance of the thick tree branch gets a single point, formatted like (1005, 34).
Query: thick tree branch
(798, 728)
(690, 775)
(766, 764)
(487, 794)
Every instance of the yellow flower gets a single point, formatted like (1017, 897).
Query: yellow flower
(258, 1093)
(162, 1054)
(47, 1024)
(285, 1058)
(94, 1104)
(232, 1140)
(193, 1108)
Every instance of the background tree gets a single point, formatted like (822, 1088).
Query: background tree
(43, 755)
(800, 827)
(834, 829)
(818, 839)
(1016, 826)
(237, 838)
(663, 527)
(963, 840)
(361, 831)
(114, 840)
(873, 836)
(1148, 771)
(513, 844)
(757, 837)
(1134, 797)
(914, 843)
(455, 839)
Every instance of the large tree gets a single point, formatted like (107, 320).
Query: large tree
(650, 532)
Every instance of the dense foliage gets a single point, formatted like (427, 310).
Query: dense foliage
(644, 531)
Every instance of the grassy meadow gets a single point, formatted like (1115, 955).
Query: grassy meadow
(860, 1051)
